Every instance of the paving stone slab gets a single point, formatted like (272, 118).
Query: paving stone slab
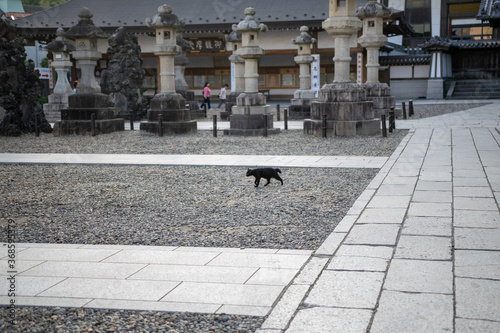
(272, 276)
(153, 306)
(110, 289)
(427, 226)
(420, 276)
(327, 320)
(162, 257)
(373, 234)
(476, 219)
(473, 326)
(62, 254)
(311, 271)
(389, 201)
(432, 196)
(84, 269)
(430, 209)
(467, 181)
(477, 239)
(331, 243)
(221, 293)
(471, 191)
(346, 224)
(413, 312)
(477, 264)
(391, 189)
(368, 251)
(29, 285)
(358, 264)
(477, 299)
(433, 186)
(423, 247)
(46, 301)
(20, 266)
(470, 203)
(260, 260)
(346, 289)
(258, 311)
(381, 215)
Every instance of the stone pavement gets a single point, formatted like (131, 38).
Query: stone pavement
(419, 251)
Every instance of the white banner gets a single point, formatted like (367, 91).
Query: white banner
(315, 75)
(233, 77)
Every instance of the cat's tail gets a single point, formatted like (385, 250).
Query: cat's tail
(278, 170)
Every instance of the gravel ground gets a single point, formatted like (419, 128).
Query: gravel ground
(192, 206)
(432, 110)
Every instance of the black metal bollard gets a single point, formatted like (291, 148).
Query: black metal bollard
(384, 128)
(390, 122)
(215, 125)
(323, 125)
(160, 125)
(265, 125)
(403, 106)
(205, 109)
(132, 116)
(392, 117)
(278, 112)
(410, 106)
(285, 116)
(92, 124)
(37, 127)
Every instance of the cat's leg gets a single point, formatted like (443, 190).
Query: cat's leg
(268, 181)
(279, 178)
(257, 180)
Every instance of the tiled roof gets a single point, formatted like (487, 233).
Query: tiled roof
(489, 10)
(419, 59)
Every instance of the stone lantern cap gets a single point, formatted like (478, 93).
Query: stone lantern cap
(374, 9)
(304, 37)
(233, 37)
(249, 24)
(85, 27)
(60, 44)
(165, 19)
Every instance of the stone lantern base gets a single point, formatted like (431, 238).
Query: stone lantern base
(176, 118)
(300, 107)
(247, 118)
(192, 104)
(380, 95)
(76, 119)
(52, 109)
(348, 112)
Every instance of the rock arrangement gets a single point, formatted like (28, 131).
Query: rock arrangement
(20, 86)
(124, 76)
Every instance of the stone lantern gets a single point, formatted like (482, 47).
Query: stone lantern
(181, 86)
(167, 104)
(372, 40)
(234, 40)
(248, 114)
(88, 102)
(60, 49)
(300, 107)
(347, 111)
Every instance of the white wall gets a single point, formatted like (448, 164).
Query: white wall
(408, 89)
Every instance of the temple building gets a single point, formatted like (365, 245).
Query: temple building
(405, 66)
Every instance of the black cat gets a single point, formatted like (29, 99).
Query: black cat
(266, 173)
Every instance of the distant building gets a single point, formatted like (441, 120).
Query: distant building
(405, 66)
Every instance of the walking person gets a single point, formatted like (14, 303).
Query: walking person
(222, 96)
(206, 96)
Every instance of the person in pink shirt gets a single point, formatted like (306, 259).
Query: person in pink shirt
(206, 96)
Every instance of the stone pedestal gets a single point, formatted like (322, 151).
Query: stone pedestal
(300, 107)
(247, 118)
(176, 118)
(348, 112)
(380, 95)
(88, 100)
(76, 119)
(52, 109)
(181, 86)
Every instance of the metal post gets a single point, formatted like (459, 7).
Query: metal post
(285, 116)
(215, 125)
(384, 128)
(205, 109)
(323, 125)
(132, 114)
(393, 122)
(403, 106)
(265, 125)
(390, 122)
(278, 112)
(92, 124)
(160, 125)
(37, 127)
(410, 105)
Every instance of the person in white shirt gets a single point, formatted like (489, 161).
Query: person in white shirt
(222, 96)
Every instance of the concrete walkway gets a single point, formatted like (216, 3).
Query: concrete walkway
(419, 251)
